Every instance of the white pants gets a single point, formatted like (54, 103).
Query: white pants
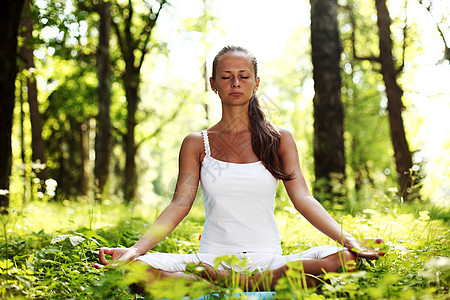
(250, 262)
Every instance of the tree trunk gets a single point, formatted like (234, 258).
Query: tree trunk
(103, 137)
(131, 91)
(10, 12)
(37, 143)
(84, 157)
(22, 144)
(328, 109)
(130, 46)
(394, 92)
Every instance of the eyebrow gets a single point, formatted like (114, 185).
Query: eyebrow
(240, 71)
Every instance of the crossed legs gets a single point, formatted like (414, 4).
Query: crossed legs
(261, 281)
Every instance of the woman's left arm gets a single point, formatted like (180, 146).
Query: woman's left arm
(308, 206)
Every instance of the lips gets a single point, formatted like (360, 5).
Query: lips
(236, 94)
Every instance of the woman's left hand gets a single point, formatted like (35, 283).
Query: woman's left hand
(371, 248)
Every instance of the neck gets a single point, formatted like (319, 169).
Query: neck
(235, 119)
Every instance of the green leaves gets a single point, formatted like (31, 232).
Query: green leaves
(59, 265)
(75, 240)
(6, 264)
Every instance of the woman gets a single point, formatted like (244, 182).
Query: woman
(239, 161)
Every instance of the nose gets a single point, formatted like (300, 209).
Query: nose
(235, 82)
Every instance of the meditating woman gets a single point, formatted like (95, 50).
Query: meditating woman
(239, 162)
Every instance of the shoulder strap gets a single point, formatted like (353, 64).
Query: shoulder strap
(206, 143)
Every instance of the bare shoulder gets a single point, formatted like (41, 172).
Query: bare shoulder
(193, 141)
(287, 142)
(194, 137)
(286, 135)
(284, 132)
(192, 145)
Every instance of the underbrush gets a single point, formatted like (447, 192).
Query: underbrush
(48, 249)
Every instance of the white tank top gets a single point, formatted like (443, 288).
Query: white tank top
(239, 202)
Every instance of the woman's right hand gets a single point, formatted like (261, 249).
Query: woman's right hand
(119, 256)
(371, 248)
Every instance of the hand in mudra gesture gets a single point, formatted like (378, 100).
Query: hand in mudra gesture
(119, 256)
(371, 248)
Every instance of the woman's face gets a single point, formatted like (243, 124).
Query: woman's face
(235, 79)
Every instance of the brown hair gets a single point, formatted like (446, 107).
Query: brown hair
(265, 137)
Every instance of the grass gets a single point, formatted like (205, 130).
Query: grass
(47, 251)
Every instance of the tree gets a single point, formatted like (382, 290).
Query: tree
(367, 133)
(403, 157)
(103, 137)
(366, 128)
(391, 68)
(133, 47)
(10, 12)
(37, 143)
(70, 105)
(328, 110)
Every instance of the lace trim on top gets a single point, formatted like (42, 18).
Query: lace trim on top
(206, 143)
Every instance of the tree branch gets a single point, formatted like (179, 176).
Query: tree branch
(447, 49)
(90, 7)
(372, 58)
(161, 126)
(130, 42)
(120, 38)
(147, 30)
(405, 30)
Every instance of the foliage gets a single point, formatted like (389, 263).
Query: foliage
(66, 38)
(49, 250)
(365, 98)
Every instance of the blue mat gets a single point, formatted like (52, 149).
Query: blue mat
(251, 295)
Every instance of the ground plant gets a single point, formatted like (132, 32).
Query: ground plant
(48, 249)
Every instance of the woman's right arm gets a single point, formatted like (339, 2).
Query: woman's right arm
(183, 198)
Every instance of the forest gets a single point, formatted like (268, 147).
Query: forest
(98, 95)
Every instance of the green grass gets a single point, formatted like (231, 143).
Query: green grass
(47, 251)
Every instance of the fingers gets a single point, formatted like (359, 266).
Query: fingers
(118, 257)
(101, 255)
(379, 240)
(108, 251)
(369, 254)
(104, 263)
(375, 240)
(106, 267)
(370, 251)
(98, 266)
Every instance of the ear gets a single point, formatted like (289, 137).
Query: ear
(257, 83)
(211, 82)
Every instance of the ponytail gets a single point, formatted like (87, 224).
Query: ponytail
(265, 140)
